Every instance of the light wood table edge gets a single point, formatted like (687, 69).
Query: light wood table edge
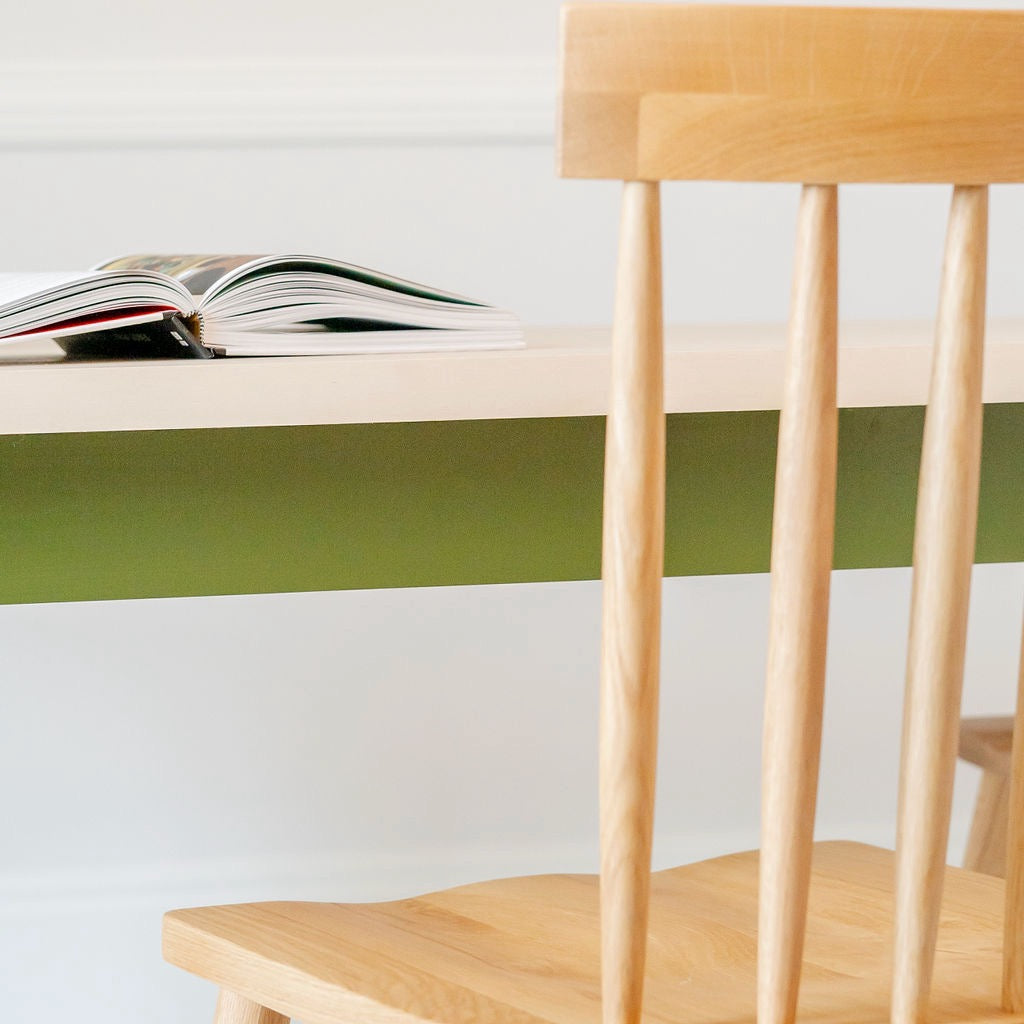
(562, 371)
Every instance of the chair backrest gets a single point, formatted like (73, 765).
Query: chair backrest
(816, 96)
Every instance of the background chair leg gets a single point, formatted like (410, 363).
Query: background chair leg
(986, 846)
(235, 1009)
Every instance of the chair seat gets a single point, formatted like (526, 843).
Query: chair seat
(525, 950)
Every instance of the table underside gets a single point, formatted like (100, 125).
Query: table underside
(276, 509)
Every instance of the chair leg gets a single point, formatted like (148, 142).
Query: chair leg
(235, 1009)
(986, 846)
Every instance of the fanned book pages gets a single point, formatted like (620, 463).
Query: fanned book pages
(201, 306)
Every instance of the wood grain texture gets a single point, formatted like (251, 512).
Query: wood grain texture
(631, 570)
(987, 740)
(944, 537)
(723, 92)
(526, 951)
(1013, 935)
(986, 842)
(235, 1009)
(803, 527)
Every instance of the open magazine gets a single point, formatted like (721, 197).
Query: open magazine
(200, 306)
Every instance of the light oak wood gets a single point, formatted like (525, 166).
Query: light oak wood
(563, 371)
(987, 740)
(943, 555)
(723, 92)
(1013, 935)
(526, 951)
(235, 1009)
(986, 842)
(631, 569)
(802, 537)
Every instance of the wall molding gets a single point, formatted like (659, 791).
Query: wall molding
(87, 105)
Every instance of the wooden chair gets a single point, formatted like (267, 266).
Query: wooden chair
(766, 94)
(987, 742)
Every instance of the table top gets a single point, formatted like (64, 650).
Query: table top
(562, 371)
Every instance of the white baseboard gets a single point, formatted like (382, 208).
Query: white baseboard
(204, 103)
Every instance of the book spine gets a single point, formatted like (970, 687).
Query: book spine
(188, 332)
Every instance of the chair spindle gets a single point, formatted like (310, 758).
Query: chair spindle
(632, 569)
(235, 1009)
(1013, 925)
(801, 563)
(947, 509)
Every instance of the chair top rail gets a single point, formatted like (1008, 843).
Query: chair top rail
(798, 94)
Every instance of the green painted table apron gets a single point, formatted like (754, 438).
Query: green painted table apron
(276, 509)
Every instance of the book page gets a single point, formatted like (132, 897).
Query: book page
(73, 302)
(207, 276)
(21, 286)
(274, 266)
(196, 271)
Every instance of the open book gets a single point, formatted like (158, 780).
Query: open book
(243, 306)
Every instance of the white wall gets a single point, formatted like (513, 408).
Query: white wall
(263, 28)
(374, 744)
(246, 763)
